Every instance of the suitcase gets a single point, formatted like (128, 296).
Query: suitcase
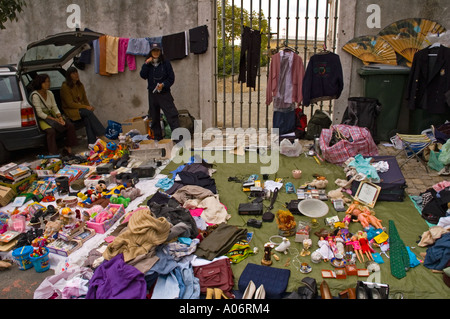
(392, 182)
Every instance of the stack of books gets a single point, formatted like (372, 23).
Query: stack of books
(12, 173)
(73, 172)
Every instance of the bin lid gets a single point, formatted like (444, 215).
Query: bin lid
(374, 69)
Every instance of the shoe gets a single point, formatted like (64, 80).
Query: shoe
(260, 293)
(219, 294)
(249, 291)
(361, 293)
(209, 293)
(325, 292)
(348, 293)
(375, 293)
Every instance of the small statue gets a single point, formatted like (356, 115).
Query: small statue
(267, 259)
(284, 246)
(307, 243)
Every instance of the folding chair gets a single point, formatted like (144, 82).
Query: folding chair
(412, 145)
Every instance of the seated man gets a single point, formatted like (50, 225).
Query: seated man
(76, 106)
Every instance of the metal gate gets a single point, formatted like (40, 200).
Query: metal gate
(307, 26)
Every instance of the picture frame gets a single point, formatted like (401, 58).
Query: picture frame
(367, 193)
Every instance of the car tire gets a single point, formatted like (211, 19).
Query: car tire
(5, 155)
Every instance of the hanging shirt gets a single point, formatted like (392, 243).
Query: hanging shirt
(283, 99)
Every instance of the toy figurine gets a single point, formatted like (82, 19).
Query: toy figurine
(356, 248)
(284, 246)
(307, 243)
(364, 243)
(267, 259)
(325, 249)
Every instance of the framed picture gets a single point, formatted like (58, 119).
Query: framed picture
(367, 193)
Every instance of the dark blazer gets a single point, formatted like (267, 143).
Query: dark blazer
(427, 86)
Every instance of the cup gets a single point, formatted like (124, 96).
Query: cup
(296, 173)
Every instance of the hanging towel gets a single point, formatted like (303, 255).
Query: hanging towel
(112, 51)
(125, 59)
(175, 46)
(138, 46)
(198, 39)
(102, 64)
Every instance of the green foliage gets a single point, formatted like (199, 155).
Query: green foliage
(9, 10)
(232, 19)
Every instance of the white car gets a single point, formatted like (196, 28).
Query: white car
(18, 125)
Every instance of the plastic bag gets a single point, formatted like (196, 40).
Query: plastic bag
(444, 157)
(113, 130)
(433, 161)
(290, 149)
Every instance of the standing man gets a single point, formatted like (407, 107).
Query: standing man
(160, 77)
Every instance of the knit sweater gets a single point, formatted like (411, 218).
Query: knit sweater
(143, 233)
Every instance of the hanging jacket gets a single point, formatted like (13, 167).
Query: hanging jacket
(297, 72)
(429, 82)
(323, 78)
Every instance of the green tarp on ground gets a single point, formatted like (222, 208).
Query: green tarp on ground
(419, 283)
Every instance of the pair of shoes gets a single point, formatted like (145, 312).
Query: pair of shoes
(252, 293)
(215, 293)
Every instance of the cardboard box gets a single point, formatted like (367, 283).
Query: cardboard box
(136, 123)
(22, 185)
(6, 195)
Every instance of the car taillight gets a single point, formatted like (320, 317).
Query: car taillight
(27, 115)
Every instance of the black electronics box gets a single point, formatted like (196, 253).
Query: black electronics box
(146, 169)
(105, 168)
(250, 209)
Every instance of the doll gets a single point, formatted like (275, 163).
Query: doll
(356, 248)
(325, 249)
(362, 218)
(364, 243)
(372, 219)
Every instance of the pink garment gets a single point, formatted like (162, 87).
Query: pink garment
(197, 212)
(440, 186)
(124, 58)
(297, 71)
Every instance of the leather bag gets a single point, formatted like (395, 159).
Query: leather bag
(217, 274)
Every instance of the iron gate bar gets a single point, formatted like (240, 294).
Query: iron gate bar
(330, 31)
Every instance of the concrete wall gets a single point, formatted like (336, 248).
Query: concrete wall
(353, 18)
(123, 96)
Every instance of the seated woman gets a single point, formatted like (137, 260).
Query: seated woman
(75, 105)
(47, 111)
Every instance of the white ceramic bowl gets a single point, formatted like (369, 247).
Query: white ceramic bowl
(312, 207)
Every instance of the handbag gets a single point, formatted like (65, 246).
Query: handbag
(217, 274)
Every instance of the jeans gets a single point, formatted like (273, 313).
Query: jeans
(94, 128)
